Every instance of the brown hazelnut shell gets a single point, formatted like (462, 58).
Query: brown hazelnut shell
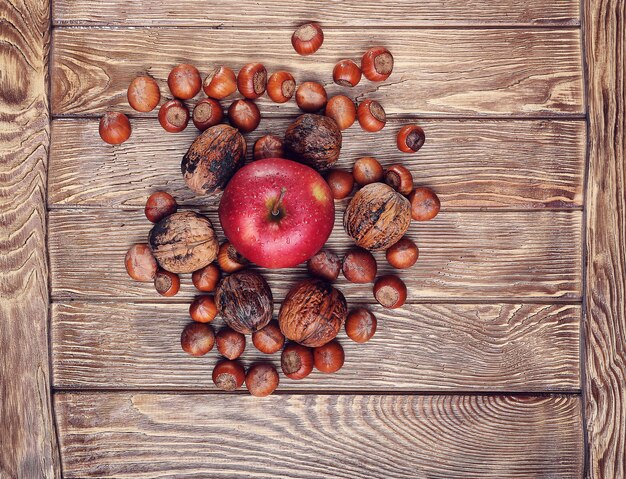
(228, 375)
(141, 265)
(213, 158)
(230, 343)
(197, 339)
(269, 339)
(262, 379)
(183, 242)
(296, 361)
(313, 312)
(244, 300)
(377, 217)
(325, 265)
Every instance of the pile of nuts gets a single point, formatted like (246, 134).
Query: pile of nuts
(377, 217)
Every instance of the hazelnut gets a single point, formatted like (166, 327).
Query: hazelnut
(410, 138)
(325, 264)
(166, 283)
(269, 339)
(262, 379)
(143, 94)
(360, 325)
(229, 258)
(329, 358)
(206, 279)
(400, 179)
(359, 266)
(311, 96)
(197, 339)
(377, 64)
(268, 146)
(203, 309)
(114, 128)
(340, 183)
(184, 81)
(425, 204)
(307, 38)
(296, 361)
(140, 263)
(367, 170)
(230, 343)
(403, 254)
(159, 205)
(228, 375)
(390, 291)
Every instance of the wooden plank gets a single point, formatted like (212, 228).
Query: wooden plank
(605, 326)
(370, 13)
(349, 437)
(27, 435)
(449, 72)
(425, 347)
(473, 255)
(500, 164)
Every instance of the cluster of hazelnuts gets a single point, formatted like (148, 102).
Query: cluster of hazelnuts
(245, 301)
(243, 290)
(377, 218)
(185, 82)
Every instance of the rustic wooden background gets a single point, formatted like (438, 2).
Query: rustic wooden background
(479, 376)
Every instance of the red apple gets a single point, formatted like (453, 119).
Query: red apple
(277, 213)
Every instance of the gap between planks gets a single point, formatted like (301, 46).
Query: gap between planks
(447, 300)
(329, 28)
(553, 393)
(292, 115)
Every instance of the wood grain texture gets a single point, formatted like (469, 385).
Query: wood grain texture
(605, 326)
(473, 255)
(28, 446)
(471, 163)
(351, 437)
(283, 13)
(449, 72)
(425, 347)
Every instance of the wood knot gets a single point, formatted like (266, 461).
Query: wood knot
(14, 75)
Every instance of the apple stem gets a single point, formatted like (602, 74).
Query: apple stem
(275, 210)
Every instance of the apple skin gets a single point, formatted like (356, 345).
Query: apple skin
(305, 219)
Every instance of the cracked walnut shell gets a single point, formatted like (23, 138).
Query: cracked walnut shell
(313, 313)
(377, 217)
(183, 242)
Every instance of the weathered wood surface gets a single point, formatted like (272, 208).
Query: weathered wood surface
(468, 326)
(605, 325)
(470, 163)
(28, 445)
(425, 347)
(351, 437)
(450, 72)
(469, 255)
(289, 13)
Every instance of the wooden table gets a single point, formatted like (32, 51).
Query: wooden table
(510, 359)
